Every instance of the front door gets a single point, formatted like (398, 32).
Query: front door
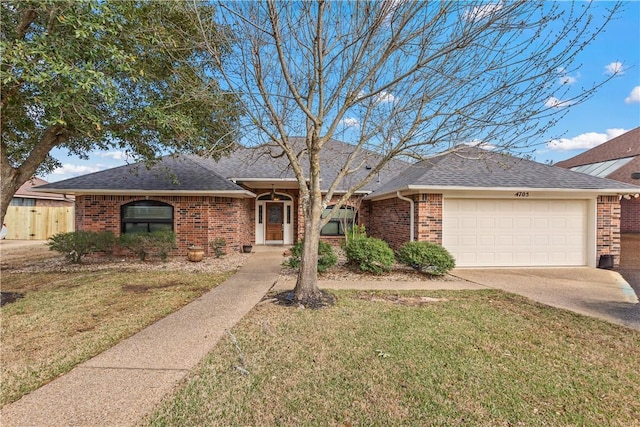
(275, 228)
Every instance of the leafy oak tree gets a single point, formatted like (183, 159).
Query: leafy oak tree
(398, 78)
(91, 74)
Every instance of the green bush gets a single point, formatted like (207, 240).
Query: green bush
(369, 254)
(105, 241)
(217, 246)
(77, 244)
(146, 244)
(326, 256)
(426, 257)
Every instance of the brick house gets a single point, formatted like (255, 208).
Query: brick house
(615, 159)
(487, 209)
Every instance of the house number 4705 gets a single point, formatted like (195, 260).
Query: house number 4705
(522, 194)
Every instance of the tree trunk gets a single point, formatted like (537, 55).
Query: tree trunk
(14, 177)
(306, 291)
(10, 184)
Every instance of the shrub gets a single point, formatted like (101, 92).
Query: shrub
(426, 257)
(369, 254)
(217, 246)
(77, 244)
(326, 256)
(145, 244)
(73, 245)
(105, 241)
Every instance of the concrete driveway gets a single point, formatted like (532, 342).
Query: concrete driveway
(595, 292)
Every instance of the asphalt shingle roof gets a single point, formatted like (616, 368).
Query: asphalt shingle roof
(475, 168)
(177, 173)
(467, 167)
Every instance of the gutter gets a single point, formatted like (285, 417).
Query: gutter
(411, 214)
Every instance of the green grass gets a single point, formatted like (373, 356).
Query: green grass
(476, 358)
(66, 318)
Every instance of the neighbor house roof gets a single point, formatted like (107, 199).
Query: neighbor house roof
(472, 168)
(26, 191)
(172, 175)
(614, 159)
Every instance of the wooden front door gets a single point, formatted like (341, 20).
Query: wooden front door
(275, 221)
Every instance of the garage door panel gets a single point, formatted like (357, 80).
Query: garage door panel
(498, 232)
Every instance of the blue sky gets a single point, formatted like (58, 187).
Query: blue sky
(613, 110)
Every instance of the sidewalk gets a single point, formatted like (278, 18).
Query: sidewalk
(125, 383)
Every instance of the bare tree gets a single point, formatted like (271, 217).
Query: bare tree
(399, 79)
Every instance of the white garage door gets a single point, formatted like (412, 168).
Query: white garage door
(501, 232)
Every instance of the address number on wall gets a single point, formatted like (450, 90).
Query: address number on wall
(522, 194)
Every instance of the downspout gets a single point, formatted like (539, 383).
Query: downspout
(411, 214)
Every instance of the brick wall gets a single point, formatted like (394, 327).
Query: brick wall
(197, 219)
(608, 227)
(630, 216)
(389, 220)
(429, 218)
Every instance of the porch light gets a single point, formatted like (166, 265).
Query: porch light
(274, 196)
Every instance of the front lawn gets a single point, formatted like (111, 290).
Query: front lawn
(419, 358)
(70, 313)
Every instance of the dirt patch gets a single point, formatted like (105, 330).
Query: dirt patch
(147, 288)
(287, 298)
(9, 297)
(408, 301)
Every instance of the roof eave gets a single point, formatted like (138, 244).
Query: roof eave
(136, 192)
(444, 189)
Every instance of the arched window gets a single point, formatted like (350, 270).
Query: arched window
(343, 220)
(146, 216)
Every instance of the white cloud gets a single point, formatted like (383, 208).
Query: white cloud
(385, 97)
(350, 122)
(634, 96)
(68, 170)
(477, 13)
(584, 141)
(554, 102)
(113, 155)
(565, 78)
(614, 68)
(481, 144)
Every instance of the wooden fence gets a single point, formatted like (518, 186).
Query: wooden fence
(38, 222)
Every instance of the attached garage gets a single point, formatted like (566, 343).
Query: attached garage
(490, 209)
(516, 232)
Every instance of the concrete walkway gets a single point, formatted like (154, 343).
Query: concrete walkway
(125, 383)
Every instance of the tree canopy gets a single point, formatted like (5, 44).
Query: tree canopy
(399, 79)
(125, 75)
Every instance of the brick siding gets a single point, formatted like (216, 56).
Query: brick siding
(389, 220)
(608, 228)
(429, 218)
(197, 219)
(630, 216)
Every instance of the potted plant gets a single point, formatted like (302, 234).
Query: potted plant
(195, 253)
(247, 249)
